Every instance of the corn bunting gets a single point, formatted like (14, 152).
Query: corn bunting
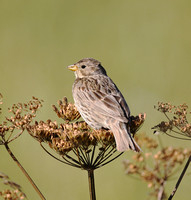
(100, 102)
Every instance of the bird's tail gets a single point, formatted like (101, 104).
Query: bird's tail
(124, 140)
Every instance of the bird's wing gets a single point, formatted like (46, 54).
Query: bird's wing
(100, 95)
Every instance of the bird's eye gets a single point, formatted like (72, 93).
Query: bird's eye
(83, 66)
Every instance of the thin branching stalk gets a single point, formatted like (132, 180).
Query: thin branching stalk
(56, 157)
(24, 171)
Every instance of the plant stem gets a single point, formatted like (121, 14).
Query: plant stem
(24, 171)
(180, 178)
(91, 184)
(161, 193)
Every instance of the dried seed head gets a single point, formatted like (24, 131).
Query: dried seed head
(79, 138)
(66, 111)
(177, 121)
(21, 116)
(136, 122)
(64, 137)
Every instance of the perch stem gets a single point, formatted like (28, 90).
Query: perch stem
(91, 184)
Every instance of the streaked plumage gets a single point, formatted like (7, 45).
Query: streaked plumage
(100, 102)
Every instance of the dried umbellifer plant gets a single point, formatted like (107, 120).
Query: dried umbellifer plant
(77, 144)
(177, 126)
(156, 166)
(21, 115)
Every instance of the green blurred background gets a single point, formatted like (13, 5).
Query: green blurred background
(145, 47)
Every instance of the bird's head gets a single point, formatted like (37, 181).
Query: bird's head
(87, 67)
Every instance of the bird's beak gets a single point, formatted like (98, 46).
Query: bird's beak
(73, 67)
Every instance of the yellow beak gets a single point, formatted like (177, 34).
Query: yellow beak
(73, 67)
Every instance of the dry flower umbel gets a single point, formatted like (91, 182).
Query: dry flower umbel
(11, 128)
(67, 111)
(78, 137)
(155, 166)
(177, 124)
(77, 144)
(22, 115)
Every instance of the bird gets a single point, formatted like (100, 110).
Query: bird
(100, 102)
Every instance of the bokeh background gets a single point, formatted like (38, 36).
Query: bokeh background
(145, 47)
